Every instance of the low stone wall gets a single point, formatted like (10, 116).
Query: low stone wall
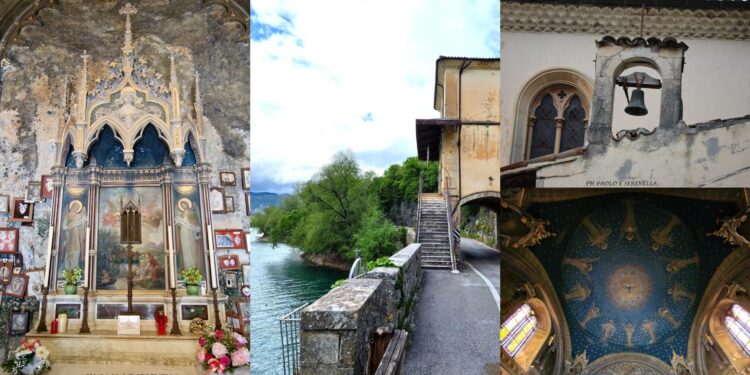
(337, 328)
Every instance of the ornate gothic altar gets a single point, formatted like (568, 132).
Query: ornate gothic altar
(133, 137)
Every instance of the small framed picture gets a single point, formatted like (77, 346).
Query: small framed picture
(227, 179)
(216, 200)
(4, 204)
(48, 187)
(245, 291)
(229, 239)
(17, 286)
(230, 262)
(245, 308)
(230, 279)
(18, 324)
(33, 191)
(6, 271)
(23, 212)
(229, 203)
(73, 310)
(247, 204)
(17, 269)
(235, 321)
(245, 178)
(8, 240)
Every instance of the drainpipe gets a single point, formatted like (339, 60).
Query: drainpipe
(464, 64)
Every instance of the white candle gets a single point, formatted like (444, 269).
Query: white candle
(86, 259)
(170, 251)
(211, 259)
(49, 256)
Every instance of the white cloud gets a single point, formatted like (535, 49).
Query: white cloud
(344, 74)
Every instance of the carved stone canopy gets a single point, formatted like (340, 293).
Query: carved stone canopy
(130, 97)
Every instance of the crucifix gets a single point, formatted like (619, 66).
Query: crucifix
(643, 13)
(130, 233)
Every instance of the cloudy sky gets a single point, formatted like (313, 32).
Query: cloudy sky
(334, 75)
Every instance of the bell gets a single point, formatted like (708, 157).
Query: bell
(636, 106)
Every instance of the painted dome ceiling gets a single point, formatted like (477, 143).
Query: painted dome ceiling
(630, 269)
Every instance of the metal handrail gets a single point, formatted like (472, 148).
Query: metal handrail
(289, 326)
(359, 267)
(419, 205)
(448, 212)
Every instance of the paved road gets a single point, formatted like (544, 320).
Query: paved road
(457, 318)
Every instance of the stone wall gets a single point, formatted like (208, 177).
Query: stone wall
(337, 328)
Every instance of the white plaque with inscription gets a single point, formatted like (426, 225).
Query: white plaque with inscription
(129, 325)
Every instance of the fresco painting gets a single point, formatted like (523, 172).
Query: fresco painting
(188, 235)
(149, 265)
(74, 220)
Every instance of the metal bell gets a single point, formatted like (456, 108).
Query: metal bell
(636, 105)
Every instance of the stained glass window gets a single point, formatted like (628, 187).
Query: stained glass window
(737, 322)
(543, 132)
(516, 330)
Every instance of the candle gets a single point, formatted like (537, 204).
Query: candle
(86, 258)
(211, 259)
(62, 323)
(170, 249)
(49, 256)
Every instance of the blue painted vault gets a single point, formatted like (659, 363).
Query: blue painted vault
(630, 268)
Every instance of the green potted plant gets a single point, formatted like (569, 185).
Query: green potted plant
(72, 277)
(192, 278)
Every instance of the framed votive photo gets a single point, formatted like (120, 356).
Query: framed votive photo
(22, 211)
(229, 239)
(230, 262)
(216, 200)
(17, 286)
(47, 187)
(33, 191)
(18, 323)
(8, 240)
(227, 178)
(245, 178)
(228, 203)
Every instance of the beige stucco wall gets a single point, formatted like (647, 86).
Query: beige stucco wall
(716, 80)
(480, 142)
(711, 157)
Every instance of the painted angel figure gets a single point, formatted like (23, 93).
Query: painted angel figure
(578, 293)
(75, 236)
(597, 235)
(584, 265)
(677, 265)
(608, 330)
(188, 234)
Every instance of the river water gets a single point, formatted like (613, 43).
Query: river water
(281, 282)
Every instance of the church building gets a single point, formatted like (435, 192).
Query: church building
(625, 240)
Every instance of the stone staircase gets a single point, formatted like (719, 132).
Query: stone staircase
(433, 232)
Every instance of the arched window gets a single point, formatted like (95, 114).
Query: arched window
(516, 330)
(557, 123)
(737, 322)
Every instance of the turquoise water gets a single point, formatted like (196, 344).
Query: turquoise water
(281, 282)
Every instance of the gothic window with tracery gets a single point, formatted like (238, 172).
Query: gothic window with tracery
(558, 122)
(516, 330)
(737, 322)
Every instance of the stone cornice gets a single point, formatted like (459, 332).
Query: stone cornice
(730, 24)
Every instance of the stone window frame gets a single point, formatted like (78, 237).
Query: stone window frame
(737, 357)
(561, 103)
(525, 356)
(530, 93)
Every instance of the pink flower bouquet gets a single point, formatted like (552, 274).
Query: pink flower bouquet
(223, 351)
